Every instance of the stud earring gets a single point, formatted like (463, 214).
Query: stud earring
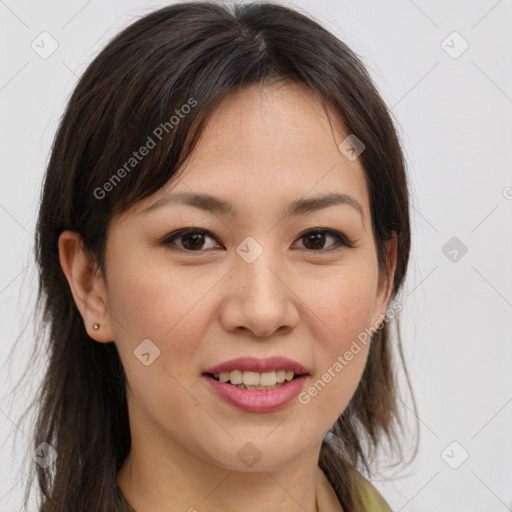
(96, 327)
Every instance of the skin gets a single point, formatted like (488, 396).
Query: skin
(264, 148)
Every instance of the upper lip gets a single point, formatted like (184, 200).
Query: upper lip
(259, 365)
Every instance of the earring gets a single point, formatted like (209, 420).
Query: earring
(96, 327)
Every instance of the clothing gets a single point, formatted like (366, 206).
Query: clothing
(373, 500)
(326, 497)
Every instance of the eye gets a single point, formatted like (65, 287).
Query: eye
(315, 239)
(194, 240)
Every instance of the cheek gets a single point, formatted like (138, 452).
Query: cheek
(163, 305)
(343, 309)
(172, 308)
(152, 300)
(342, 305)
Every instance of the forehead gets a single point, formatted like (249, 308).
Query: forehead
(268, 144)
(273, 123)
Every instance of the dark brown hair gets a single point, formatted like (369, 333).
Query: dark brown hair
(184, 54)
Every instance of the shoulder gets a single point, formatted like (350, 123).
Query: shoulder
(366, 497)
(370, 496)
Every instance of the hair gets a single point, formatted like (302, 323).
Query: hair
(192, 54)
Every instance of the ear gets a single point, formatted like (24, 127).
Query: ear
(385, 285)
(87, 286)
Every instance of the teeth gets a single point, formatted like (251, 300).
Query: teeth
(236, 377)
(255, 380)
(268, 379)
(251, 378)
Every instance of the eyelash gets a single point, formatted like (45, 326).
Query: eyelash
(341, 239)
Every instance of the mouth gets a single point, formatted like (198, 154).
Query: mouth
(256, 374)
(257, 385)
(256, 381)
(256, 392)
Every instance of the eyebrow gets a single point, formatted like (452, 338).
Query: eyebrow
(215, 205)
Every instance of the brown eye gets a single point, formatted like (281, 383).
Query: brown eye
(315, 240)
(191, 240)
(196, 240)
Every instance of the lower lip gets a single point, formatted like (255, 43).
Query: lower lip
(258, 401)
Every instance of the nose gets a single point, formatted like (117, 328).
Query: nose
(259, 299)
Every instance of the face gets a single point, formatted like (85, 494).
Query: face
(255, 279)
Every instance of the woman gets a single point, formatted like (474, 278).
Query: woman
(222, 235)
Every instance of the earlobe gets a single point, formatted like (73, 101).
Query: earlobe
(87, 286)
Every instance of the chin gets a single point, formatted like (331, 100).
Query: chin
(265, 452)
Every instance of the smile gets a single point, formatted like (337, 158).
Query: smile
(255, 380)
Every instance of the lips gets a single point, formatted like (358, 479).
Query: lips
(253, 364)
(258, 399)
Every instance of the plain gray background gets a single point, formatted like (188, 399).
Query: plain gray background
(453, 108)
